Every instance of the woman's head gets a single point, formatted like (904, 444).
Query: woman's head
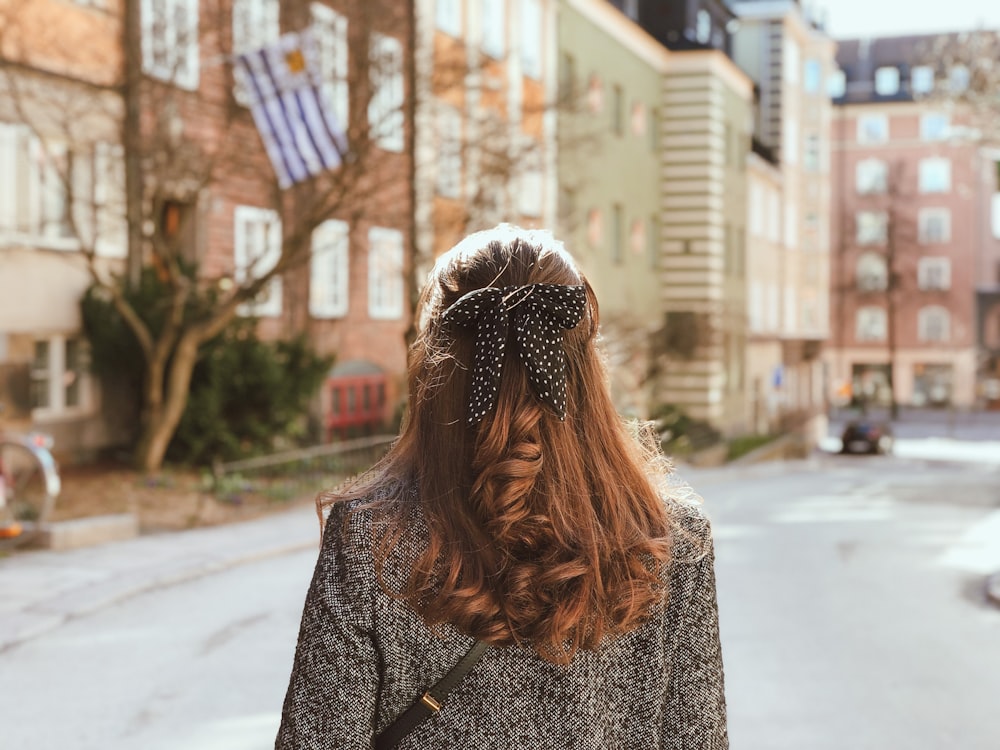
(544, 526)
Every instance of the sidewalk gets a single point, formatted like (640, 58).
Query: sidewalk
(40, 591)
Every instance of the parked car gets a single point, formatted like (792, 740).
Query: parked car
(866, 436)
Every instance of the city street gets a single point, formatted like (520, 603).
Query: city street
(851, 596)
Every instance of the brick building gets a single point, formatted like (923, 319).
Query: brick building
(908, 232)
(203, 185)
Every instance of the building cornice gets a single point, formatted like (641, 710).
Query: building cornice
(628, 33)
(715, 62)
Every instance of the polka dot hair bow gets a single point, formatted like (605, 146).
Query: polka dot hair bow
(539, 314)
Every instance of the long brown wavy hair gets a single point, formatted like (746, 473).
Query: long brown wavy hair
(541, 532)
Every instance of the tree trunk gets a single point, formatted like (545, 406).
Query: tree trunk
(164, 414)
(132, 138)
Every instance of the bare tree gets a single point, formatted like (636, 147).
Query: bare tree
(172, 139)
(878, 259)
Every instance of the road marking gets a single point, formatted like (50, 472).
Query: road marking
(978, 550)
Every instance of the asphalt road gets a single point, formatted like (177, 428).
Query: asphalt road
(850, 596)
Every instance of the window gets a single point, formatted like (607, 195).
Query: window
(791, 61)
(755, 214)
(933, 324)
(385, 109)
(871, 324)
(872, 227)
(791, 224)
(567, 78)
(871, 176)
(872, 273)
(887, 81)
(255, 25)
(638, 119)
(448, 17)
(873, 129)
(934, 225)
(995, 215)
(531, 38)
(958, 78)
(755, 306)
(257, 250)
(595, 226)
(934, 273)
(494, 36)
(35, 205)
(933, 126)
(531, 182)
(617, 110)
(811, 156)
(790, 310)
(330, 33)
(773, 216)
(631, 9)
(812, 76)
(385, 273)
(329, 269)
(790, 145)
(170, 41)
(595, 94)
(449, 156)
(617, 231)
(836, 84)
(59, 375)
(935, 175)
(922, 79)
(703, 27)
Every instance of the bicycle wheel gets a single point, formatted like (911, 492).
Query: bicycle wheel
(28, 495)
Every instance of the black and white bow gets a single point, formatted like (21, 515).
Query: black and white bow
(539, 313)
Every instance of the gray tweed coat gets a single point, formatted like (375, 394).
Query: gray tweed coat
(364, 657)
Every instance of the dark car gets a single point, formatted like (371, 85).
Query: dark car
(866, 436)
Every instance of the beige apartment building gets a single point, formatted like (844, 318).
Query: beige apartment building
(789, 56)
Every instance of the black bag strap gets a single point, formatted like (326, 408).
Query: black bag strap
(430, 702)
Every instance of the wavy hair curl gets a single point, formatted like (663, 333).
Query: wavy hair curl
(540, 532)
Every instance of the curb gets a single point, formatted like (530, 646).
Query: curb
(993, 589)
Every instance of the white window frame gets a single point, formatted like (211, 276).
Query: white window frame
(872, 273)
(995, 215)
(255, 26)
(448, 182)
(935, 175)
(871, 324)
(57, 378)
(531, 35)
(385, 274)
(494, 19)
(385, 108)
(865, 134)
(871, 177)
(179, 46)
(958, 78)
(812, 76)
(924, 318)
(836, 84)
(924, 216)
(934, 273)
(928, 121)
(330, 34)
(262, 226)
(872, 227)
(922, 79)
(329, 270)
(448, 17)
(887, 80)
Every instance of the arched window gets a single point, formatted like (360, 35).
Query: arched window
(934, 324)
(871, 324)
(872, 273)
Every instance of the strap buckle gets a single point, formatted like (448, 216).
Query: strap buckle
(430, 702)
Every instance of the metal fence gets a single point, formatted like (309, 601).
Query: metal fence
(301, 472)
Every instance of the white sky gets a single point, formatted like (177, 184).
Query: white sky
(860, 18)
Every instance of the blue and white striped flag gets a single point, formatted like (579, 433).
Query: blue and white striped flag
(297, 125)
